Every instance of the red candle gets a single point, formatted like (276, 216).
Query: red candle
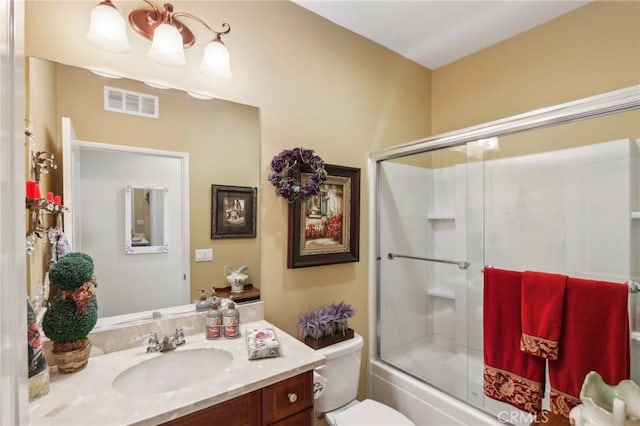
(33, 190)
(50, 196)
(29, 189)
(58, 199)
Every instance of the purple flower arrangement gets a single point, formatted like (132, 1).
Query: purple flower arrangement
(327, 320)
(289, 160)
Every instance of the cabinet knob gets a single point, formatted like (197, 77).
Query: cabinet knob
(292, 397)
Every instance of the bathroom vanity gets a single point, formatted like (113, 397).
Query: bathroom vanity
(182, 387)
(289, 402)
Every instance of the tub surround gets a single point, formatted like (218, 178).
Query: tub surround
(87, 397)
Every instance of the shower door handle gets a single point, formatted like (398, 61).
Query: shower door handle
(461, 264)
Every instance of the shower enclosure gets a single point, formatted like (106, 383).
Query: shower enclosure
(563, 198)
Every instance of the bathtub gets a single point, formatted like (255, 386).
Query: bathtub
(423, 404)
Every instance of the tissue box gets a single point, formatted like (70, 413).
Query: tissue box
(262, 343)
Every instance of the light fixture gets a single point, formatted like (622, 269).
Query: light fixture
(107, 30)
(169, 36)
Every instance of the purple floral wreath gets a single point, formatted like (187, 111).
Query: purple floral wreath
(286, 185)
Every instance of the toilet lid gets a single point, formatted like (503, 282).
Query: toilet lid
(371, 413)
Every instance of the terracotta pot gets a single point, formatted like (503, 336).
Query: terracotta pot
(71, 356)
(329, 340)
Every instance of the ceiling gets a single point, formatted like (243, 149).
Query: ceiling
(436, 33)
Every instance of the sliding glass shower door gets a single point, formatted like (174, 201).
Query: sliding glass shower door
(424, 223)
(562, 199)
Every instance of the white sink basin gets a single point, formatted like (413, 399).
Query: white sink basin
(170, 371)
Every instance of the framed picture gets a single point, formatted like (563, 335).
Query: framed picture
(325, 229)
(233, 211)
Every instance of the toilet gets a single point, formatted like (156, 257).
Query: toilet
(336, 387)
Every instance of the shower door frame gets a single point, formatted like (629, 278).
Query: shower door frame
(613, 102)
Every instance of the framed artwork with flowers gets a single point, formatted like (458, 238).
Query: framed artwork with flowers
(324, 228)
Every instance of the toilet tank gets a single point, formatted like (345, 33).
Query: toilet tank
(342, 372)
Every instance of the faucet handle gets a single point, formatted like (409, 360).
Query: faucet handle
(179, 336)
(153, 345)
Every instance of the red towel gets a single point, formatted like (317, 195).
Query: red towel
(510, 375)
(595, 337)
(542, 302)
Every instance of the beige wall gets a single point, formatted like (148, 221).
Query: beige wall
(317, 86)
(43, 124)
(222, 139)
(591, 50)
(321, 87)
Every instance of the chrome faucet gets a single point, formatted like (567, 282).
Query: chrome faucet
(168, 343)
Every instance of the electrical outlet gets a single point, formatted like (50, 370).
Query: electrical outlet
(204, 255)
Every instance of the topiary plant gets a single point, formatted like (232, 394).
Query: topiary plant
(74, 310)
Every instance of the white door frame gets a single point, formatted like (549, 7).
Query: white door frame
(183, 157)
(14, 404)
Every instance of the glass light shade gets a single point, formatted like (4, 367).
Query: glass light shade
(106, 72)
(215, 61)
(107, 30)
(166, 48)
(157, 84)
(205, 96)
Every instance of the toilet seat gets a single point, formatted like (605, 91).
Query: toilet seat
(371, 413)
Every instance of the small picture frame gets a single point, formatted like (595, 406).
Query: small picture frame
(325, 229)
(233, 211)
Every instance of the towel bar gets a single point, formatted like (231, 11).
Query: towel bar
(634, 286)
(461, 264)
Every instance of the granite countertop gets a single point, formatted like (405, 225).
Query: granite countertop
(87, 398)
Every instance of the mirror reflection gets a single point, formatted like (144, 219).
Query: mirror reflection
(144, 221)
(221, 143)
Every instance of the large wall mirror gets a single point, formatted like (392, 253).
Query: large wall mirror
(221, 141)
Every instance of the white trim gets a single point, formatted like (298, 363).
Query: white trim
(126, 148)
(14, 404)
(186, 236)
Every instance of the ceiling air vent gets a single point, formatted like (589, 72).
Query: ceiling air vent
(128, 102)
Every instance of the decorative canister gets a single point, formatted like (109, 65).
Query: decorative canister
(213, 322)
(231, 321)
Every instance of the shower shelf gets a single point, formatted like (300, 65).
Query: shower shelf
(635, 215)
(443, 293)
(441, 216)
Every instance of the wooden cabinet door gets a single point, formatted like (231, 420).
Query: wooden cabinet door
(244, 410)
(287, 397)
(303, 418)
